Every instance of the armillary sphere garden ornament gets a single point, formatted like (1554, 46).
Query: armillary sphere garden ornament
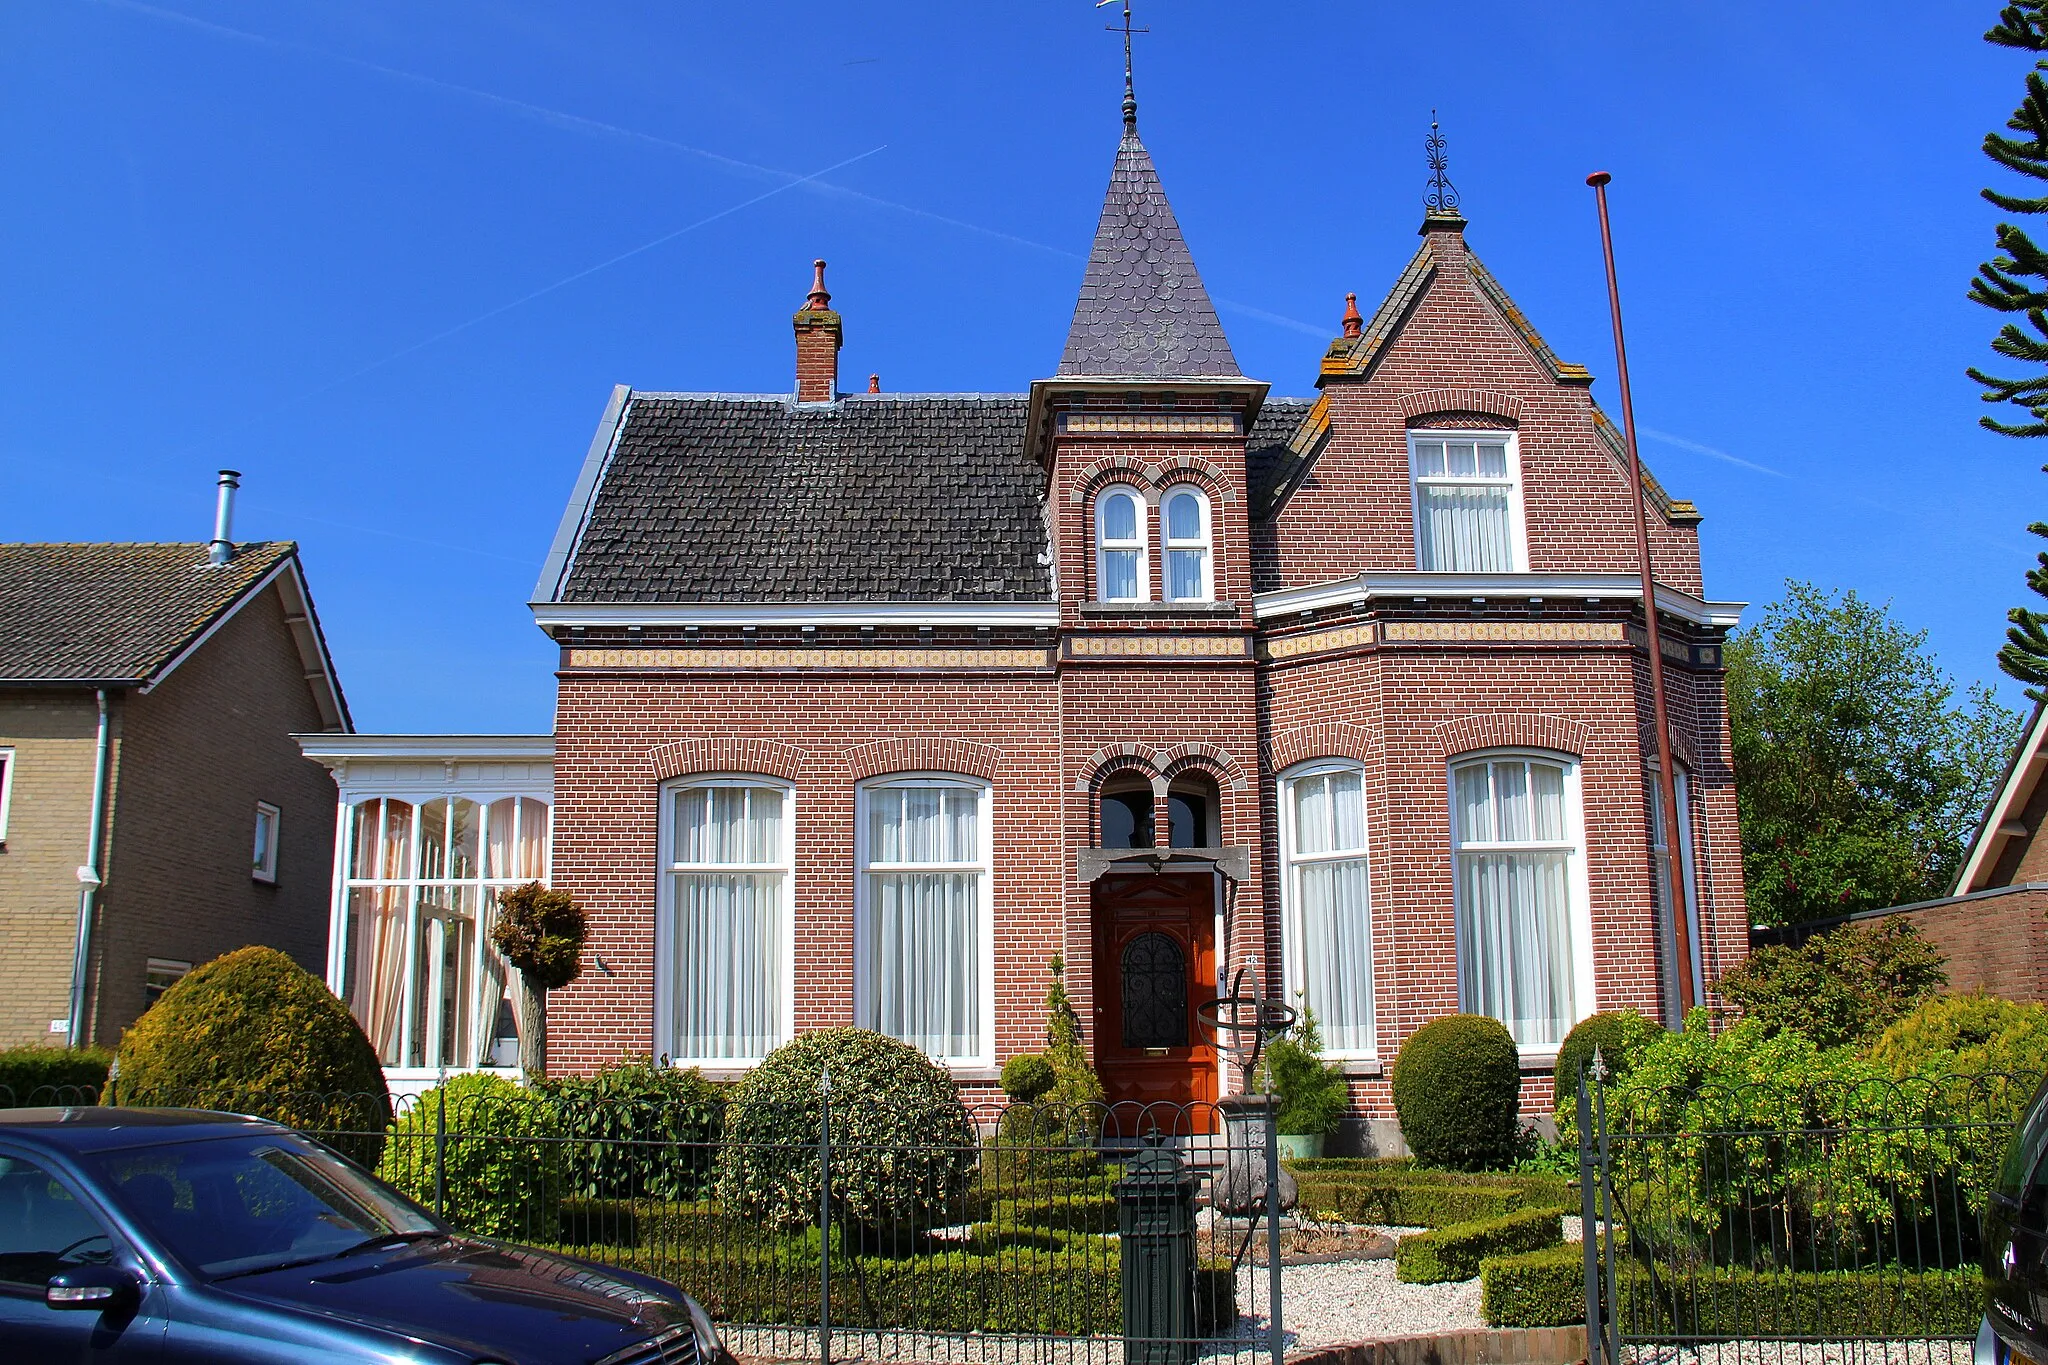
(1242, 1023)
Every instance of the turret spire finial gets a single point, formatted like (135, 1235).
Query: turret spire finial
(1442, 199)
(1130, 92)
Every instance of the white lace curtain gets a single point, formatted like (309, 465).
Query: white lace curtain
(1331, 896)
(1465, 523)
(921, 925)
(1514, 897)
(726, 992)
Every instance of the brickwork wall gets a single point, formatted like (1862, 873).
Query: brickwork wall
(53, 736)
(1997, 944)
(201, 750)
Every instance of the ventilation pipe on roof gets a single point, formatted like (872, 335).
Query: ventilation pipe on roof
(223, 549)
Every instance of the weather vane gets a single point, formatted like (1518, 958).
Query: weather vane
(1130, 95)
(1442, 198)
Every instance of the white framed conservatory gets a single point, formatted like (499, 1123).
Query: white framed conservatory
(428, 830)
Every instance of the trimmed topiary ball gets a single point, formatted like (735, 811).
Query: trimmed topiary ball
(1457, 1087)
(500, 1157)
(255, 1033)
(902, 1147)
(1620, 1036)
(1028, 1077)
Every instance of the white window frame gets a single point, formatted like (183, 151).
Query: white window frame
(665, 915)
(264, 868)
(1141, 544)
(864, 1002)
(1290, 896)
(1518, 539)
(175, 968)
(1583, 982)
(1682, 782)
(7, 762)
(1204, 542)
(414, 887)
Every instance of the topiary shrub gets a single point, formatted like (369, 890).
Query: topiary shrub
(639, 1131)
(500, 1157)
(1619, 1035)
(256, 1033)
(52, 1075)
(903, 1149)
(1028, 1077)
(540, 932)
(1457, 1084)
(1313, 1094)
(1966, 1035)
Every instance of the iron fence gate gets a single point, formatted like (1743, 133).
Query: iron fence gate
(1031, 1237)
(1787, 1221)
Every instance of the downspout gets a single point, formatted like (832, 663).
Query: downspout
(89, 881)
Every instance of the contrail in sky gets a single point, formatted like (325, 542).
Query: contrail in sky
(1696, 448)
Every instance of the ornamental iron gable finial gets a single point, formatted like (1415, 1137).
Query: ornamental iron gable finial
(1442, 199)
(1130, 94)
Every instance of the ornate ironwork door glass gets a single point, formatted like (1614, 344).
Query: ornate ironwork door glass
(1155, 992)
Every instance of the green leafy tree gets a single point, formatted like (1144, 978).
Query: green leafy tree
(2015, 282)
(1840, 987)
(1861, 775)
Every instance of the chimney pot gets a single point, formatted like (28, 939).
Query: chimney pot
(1354, 325)
(874, 383)
(222, 547)
(818, 338)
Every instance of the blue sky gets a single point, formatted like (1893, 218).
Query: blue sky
(388, 258)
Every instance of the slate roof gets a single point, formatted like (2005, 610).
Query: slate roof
(115, 614)
(1143, 312)
(1272, 455)
(754, 498)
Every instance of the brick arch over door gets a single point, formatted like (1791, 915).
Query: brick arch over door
(1111, 759)
(1176, 759)
(726, 755)
(1431, 401)
(1331, 739)
(924, 753)
(1499, 731)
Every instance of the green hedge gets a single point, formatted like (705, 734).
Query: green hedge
(1400, 1201)
(1548, 1289)
(61, 1074)
(632, 1223)
(1454, 1253)
(1060, 1212)
(1376, 1164)
(1544, 1288)
(1015, 1290)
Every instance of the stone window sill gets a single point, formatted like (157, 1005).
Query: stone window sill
(1117, 611)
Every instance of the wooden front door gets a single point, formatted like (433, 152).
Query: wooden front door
(1155, 961)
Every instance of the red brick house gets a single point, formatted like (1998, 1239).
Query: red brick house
(871, 704)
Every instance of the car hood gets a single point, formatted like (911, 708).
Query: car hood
(492, 1299)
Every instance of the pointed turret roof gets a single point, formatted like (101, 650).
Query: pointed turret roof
(1143, 312)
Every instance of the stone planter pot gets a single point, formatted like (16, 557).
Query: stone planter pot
(1300, 1146)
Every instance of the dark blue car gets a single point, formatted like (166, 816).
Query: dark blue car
(174, 1235)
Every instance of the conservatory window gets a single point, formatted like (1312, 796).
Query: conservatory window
(923, 915)
(1328, 904)
(729, 844)
(1514, 829)
(1122, 571)
(418, 969)
(1185, 515)
(1466, 503)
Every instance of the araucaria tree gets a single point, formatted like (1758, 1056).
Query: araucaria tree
(2015, 282)
(1860, 774)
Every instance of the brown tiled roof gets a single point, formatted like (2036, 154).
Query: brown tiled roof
(114, 614)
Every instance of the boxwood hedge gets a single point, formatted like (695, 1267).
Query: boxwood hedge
(1454, 1252)
(52, 1075)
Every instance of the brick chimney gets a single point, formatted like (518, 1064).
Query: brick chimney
(818, 339)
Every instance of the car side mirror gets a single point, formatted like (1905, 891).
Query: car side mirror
(94, 1288)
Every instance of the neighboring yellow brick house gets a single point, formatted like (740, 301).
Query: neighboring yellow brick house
(188, 667)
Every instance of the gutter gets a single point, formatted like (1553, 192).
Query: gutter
(89, 879)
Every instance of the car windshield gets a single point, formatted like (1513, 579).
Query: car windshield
(235, 1205)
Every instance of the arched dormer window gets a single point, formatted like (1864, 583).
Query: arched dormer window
(1184, 514)
(1123, 572)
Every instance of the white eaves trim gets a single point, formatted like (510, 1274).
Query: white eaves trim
(464, 748)
(2014, 793)
(550, 615)
(1366, 587)
(307, 637)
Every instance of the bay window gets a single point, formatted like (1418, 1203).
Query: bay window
(726, 932)
(1467, 504)
(418, 969)
(924, 928)
(1327, 903)
(1521, 916)
(1123, 571)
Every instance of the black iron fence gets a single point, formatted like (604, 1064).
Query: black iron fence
(1128, 1234)
(1789, 1221)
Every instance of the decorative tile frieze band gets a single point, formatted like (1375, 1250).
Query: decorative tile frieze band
(809, 658)
(1319, 641)
(1505, 632)
(1155, 423)
(1156, 647)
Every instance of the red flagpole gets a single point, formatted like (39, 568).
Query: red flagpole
(1667, 780)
